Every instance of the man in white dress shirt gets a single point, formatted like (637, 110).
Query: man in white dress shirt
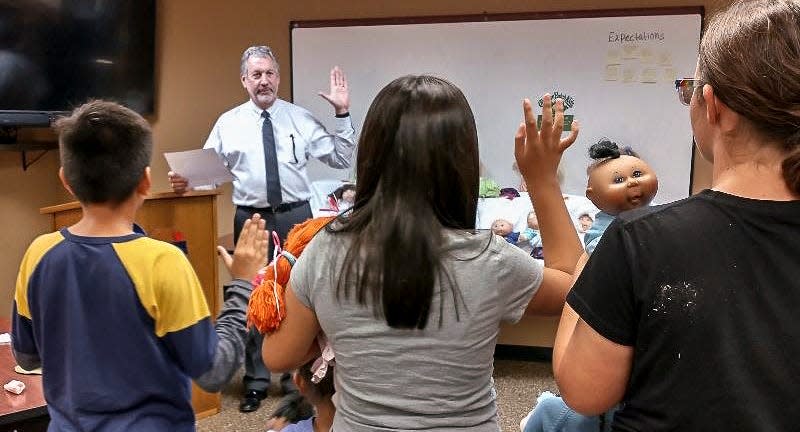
(266, 143)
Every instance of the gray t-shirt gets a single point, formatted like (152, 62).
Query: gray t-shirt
(436, 379)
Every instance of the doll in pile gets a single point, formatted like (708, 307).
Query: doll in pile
(585, 222)
(342, 198)
(532, 237)
(618, 181)
(529, 238)
(505, 229)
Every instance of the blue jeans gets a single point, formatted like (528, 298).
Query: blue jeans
(551, 414)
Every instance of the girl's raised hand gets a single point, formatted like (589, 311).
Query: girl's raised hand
(538, 152)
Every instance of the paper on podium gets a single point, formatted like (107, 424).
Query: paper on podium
(200, 167)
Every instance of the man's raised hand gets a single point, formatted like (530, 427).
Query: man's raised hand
(339, 95)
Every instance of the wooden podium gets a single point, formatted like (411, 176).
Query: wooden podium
(194, 216)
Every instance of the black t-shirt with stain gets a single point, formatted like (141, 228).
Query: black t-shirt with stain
(707, 291)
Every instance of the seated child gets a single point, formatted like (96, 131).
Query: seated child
(618, 181)
(319, 395)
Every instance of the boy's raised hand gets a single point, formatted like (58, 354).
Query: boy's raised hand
(538, 152)
(251, 250)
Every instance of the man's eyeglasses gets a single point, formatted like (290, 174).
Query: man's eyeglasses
(686, 88)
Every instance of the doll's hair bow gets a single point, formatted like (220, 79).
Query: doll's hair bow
(326, 359)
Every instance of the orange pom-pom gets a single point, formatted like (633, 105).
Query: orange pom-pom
(267, 307)
(265, 311)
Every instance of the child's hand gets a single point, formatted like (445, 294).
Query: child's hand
(538, 153)
(251, 250)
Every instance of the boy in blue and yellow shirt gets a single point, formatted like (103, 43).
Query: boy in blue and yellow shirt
(118, 321)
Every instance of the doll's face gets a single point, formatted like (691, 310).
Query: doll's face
(533, 221)
(621, 184)
(502, 227)
(585, 222)
(349, 196)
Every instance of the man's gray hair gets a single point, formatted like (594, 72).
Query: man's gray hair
(258, 51)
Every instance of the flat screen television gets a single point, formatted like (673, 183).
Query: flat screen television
(57, 54)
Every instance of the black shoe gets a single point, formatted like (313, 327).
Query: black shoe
(252, 400)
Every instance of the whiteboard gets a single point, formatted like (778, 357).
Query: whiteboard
(619, 72)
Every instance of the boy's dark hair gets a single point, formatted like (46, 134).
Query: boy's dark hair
(606, 149)
(105, 148)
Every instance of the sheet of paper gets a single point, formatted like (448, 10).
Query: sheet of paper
(648, 57)
(613, 57)
(670, 75)
(5, 338)
(649, 75)
(665, 58)
(612, 72)
(630, 52)
(629, 74)
(201, 167)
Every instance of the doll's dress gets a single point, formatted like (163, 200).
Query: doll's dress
(601, 221)
(534, 239)
(512, 237)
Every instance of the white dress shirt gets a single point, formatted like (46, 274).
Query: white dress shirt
(236, 137)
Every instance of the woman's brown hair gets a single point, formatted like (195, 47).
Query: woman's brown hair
(750, 55)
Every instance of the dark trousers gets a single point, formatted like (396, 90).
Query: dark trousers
(256, 375)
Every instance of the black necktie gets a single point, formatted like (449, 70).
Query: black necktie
(271, 163)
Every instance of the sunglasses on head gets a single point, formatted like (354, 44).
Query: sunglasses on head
(686, 88)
